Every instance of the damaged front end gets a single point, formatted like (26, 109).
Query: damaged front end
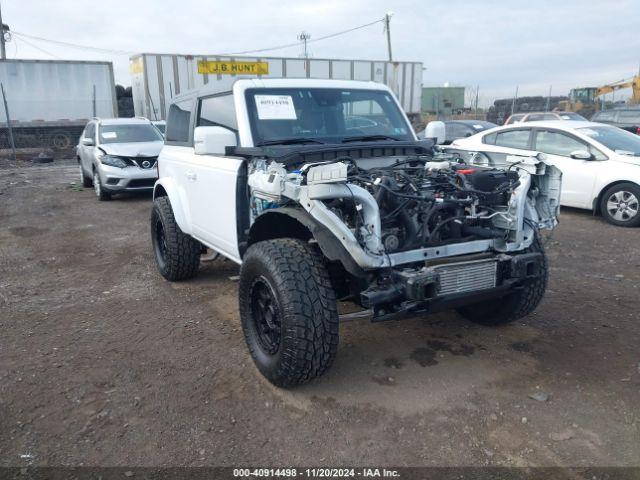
(422, 232)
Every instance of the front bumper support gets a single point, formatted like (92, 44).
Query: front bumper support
(433, 286)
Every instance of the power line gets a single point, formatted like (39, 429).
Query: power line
(15, 38)
(280, 47)
(73, 45)
(125, 52)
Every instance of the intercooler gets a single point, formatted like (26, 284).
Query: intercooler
(466, 277)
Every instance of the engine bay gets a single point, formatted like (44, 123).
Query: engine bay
(394, 210)
(427, 203)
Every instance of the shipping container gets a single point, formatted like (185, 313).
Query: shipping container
(50, 101)
(157, 78)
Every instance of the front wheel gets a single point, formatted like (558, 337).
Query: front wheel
(620, 205)
(177, 254)
(288, 311)
(101, 193)
(515, 305)
(84, 180)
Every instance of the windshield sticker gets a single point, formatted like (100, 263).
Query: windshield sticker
(477, 127)
(275, 107)
(109, 135)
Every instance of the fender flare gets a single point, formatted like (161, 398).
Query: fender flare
(327, 241)
(167, 187)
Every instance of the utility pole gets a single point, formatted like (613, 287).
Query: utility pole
(548, 99)
(304, 37)
(387, 21)
(513, 102)
(9, 128)
(477, 94)
(3, 51)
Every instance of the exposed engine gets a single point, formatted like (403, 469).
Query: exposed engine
(420, 202)
(424, 203)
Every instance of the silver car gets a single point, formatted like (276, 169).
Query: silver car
(119, 155)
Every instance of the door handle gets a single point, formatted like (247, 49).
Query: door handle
(191, 176)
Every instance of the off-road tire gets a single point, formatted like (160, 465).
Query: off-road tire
(84, 180)
(628, 188)
(98, 188)
(177, 254)
(301, 295)
(515, 305)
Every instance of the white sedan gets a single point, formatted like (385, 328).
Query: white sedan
(600, 163)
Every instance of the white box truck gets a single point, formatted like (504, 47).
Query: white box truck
(157, 78)
(50, 101)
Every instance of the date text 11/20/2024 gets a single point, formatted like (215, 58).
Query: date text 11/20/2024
(316, 472)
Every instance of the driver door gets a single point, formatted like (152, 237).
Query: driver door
(578, 176)
(209, 182)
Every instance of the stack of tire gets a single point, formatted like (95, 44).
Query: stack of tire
(125, 101)
(501, 108)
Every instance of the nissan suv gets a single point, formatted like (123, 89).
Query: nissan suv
(118, 155)
(276, 176)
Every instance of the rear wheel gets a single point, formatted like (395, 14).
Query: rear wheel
(177, 254)
(620, 205)
(288, 311)
(521, 302)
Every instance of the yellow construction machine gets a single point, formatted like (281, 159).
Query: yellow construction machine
(584, 100)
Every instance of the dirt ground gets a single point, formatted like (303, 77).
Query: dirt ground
(103, 362)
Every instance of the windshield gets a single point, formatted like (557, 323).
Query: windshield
(324, 115)
(614, 138)
(572, 116)
(135, 132)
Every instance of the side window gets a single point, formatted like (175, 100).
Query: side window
(629, 116)
(515, 119)
(514, 139)
(556, 143)
(218, 111)
(90, 131)
(178, 121)
(490, 139)
(456, 130)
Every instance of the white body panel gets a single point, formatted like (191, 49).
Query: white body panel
(156, 79)
(43, 91)
(582, 180)
(205, 193)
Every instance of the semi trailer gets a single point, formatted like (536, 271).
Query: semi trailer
(156, 78)
(50, 101)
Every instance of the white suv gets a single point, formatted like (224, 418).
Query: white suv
(277, 176)
(118, 155)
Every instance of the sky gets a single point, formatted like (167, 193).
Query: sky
(494, 45)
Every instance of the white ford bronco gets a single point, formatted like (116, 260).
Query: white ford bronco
(321, 191)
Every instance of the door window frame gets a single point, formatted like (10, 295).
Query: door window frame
(529, 141)
(207, 97)
(189, 143)
(95, 130)
(590, 146)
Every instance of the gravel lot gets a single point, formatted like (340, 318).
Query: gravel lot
(102, 362)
